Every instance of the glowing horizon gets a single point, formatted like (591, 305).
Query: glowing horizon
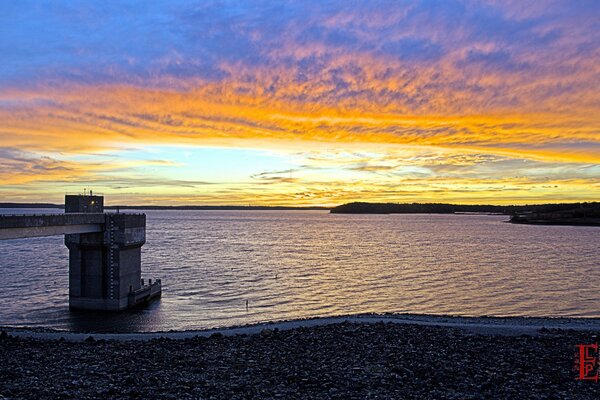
(312, 103)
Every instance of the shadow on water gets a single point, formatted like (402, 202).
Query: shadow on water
(140, 319)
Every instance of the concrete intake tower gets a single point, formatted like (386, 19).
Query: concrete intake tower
(104, 252)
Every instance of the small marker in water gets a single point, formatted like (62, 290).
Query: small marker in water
(246, 305)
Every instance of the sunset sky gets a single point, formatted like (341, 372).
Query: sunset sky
(300, 102)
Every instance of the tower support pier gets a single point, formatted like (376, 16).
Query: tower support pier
(105, 267)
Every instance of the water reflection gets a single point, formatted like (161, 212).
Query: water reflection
(304, 264)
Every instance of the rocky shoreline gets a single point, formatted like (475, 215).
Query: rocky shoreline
(346, 360)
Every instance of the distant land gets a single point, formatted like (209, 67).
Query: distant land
(443, 208)
(358, 207)
(152, 207)
(587, 214)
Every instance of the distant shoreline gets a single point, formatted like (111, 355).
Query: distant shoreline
(557, 221)
(356, 208)
(445, 208)
(150, 207)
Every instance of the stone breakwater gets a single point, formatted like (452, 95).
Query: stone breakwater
(337, 361)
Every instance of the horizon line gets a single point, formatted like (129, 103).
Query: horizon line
(62, 205)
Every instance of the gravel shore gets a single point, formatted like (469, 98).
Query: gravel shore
(337, 361)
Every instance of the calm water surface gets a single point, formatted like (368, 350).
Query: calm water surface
(294, 264)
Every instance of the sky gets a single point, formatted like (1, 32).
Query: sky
(300, 102)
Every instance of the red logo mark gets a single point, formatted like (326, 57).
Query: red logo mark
(587, 361)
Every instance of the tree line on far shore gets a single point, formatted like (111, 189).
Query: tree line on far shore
(443, 208)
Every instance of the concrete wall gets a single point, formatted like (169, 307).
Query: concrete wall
(87, 265)
(49, 220)
(84, 204)
(129, 275)
(22, 226)
(104, 266)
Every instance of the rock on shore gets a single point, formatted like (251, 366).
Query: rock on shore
(341, 361)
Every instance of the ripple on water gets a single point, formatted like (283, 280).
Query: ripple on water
(293, 264)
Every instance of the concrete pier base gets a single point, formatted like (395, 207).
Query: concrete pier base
(105, 267)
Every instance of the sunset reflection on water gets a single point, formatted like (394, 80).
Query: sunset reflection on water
(298, 264)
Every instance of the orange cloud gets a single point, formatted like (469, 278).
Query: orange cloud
(89, 118)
